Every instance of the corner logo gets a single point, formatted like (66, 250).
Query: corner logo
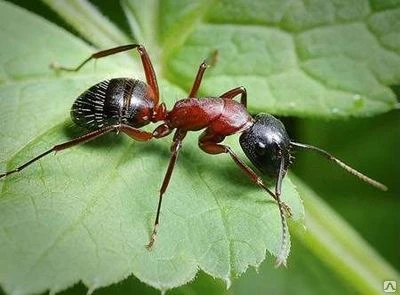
(389, 286)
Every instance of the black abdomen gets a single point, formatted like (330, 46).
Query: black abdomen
(111, 102)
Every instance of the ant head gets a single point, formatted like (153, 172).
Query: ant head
(265, 143)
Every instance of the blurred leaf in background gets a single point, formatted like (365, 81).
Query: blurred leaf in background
(370, 145)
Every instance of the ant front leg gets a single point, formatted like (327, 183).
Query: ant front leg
(146, 62)
(176, 146)
(210, 143)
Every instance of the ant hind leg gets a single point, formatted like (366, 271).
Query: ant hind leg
(147, 65)
(130, 131)
(82, 139)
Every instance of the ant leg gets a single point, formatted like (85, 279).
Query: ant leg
(197, 80)
(199, 77)
(147, 65)
(176, 146)
(134, 133)
(82, 139)
(209, 143)
(162, 131)
(236, 91)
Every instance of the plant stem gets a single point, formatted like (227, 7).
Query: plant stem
(89, 22)
(338, 245)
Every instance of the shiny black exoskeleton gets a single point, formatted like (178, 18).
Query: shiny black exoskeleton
(112, 102)
(265, 143)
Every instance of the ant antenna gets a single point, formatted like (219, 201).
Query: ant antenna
(283, 251)
(341, 164)
(281, 173)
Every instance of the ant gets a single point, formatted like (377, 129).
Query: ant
(125, 105)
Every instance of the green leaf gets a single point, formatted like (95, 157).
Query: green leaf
(303, 58)
(86, 214)
(306, 274)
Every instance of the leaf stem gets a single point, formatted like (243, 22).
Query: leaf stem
(338, 245)
(89, 22)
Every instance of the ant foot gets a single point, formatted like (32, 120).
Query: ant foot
(58, 68)
(287, 209)
(54, 66)
(8, 173)
(149, 246)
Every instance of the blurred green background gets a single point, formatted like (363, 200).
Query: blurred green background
(374, 214)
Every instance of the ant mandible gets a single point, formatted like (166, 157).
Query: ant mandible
(125, 105)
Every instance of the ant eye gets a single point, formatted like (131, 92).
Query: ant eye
(260, 148)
